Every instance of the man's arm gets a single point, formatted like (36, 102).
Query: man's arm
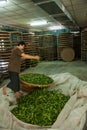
(26, 56)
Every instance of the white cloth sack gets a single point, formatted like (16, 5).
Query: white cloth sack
(72, 116)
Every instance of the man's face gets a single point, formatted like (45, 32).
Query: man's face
(22, 47)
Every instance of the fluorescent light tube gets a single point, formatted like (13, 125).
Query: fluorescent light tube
(56, 27)
(38, 23)
(3, 0)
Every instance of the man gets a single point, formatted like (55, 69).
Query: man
(14, 68)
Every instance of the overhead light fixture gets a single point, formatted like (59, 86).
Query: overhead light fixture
(38, 23)
(75, 32)
(56, 27)
(3, 1)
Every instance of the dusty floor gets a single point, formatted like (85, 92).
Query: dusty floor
(77, 68)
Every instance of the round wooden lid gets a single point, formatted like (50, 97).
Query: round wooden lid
(67, 54)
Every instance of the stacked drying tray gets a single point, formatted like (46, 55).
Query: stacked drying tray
(5, 52)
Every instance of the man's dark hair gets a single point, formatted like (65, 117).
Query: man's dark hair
(21, 43)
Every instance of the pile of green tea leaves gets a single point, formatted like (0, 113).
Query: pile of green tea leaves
(40, 107)
(36, 78)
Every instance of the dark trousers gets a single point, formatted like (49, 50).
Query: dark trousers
(14, 83)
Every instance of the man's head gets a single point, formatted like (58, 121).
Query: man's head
(21, 44)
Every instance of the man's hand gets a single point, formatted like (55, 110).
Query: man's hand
(37, 57)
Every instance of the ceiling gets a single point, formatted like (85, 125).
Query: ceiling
(70, 13)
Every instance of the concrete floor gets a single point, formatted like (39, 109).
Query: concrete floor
(77, 68)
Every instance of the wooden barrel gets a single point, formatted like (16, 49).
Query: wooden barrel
(67, 54)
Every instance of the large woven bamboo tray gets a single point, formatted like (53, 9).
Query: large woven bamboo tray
(28, 87)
